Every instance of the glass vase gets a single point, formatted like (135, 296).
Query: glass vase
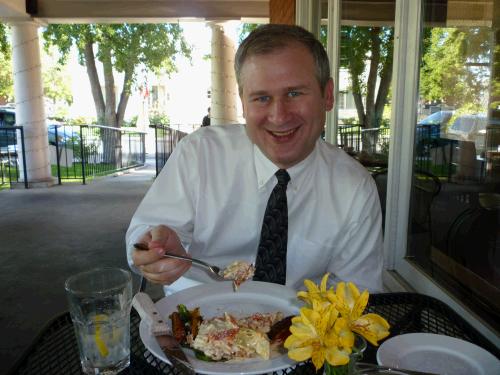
(349, 368)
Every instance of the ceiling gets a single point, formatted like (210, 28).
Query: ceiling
(62, 11)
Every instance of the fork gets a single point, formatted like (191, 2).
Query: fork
(214, 271)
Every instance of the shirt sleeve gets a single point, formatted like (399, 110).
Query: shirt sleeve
(169, 201)
(360, 259)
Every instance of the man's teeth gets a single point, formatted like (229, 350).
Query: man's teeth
(282, 134)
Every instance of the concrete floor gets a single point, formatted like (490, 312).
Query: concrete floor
(50, 234)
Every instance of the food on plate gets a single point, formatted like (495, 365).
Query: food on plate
(239, 272)
(228, 337)
(185, 324)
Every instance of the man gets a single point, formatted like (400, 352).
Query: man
(206, 118)
(210, 199)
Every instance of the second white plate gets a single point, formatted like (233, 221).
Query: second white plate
(437, 354)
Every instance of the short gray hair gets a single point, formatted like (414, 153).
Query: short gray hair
(270, 37)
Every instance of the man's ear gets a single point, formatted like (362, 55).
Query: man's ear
(328, 94)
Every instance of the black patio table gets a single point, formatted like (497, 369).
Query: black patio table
(54, 351)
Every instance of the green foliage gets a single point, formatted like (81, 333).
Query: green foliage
(78, 121)
(159, 118)
(6, 81)
(349, 121)
(152, 46)
(56, 84)
(452, 71)
(246, 29)
(4, 41)
(132, 123)
(127, 48)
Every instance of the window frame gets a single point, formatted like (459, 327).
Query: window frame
(399, 272)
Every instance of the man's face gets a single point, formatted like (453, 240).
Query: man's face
(283, 103)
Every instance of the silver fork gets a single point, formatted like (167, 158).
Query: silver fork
(214, 271)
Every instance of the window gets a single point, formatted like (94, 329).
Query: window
(454, 224)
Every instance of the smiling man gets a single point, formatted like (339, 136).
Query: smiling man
(270, 192)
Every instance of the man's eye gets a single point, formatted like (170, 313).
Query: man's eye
(262, 99)
(293, 94)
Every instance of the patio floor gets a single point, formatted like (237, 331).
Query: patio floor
(49, 234)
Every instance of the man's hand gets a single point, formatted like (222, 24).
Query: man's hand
(152, 264)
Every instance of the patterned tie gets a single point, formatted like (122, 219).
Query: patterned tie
(271, 257)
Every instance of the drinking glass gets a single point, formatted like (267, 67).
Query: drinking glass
(99, 304)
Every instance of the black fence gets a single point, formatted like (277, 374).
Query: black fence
(77, 152)
(433, 154)
(81, 152)
(166, 139)
(354, 139)
(10, 173)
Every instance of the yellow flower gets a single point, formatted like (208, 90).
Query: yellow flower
(351, 304)
(324, 330)
(319, 333)
(315, 293)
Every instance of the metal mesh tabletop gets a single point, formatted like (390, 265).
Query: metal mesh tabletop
(54, 350)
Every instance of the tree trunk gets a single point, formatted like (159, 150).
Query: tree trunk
(111, 139)
(371, 83)
(358, 98)
(124, 96)
(95, 85)
(109, 88)
(383, 90)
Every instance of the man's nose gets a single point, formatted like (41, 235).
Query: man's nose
(280, 112)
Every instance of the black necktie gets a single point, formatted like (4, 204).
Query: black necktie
(270, 264)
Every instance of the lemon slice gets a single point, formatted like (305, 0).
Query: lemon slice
(98, 337)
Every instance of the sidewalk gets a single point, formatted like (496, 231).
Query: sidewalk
(50, 234)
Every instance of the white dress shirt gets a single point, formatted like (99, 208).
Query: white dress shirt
(214, 189)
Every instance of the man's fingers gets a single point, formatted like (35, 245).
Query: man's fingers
(165, 271)
(141, 257)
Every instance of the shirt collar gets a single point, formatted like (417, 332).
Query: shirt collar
(266, 169)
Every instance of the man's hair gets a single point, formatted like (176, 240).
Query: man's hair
(271, 37)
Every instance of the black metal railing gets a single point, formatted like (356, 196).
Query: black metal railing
(166, 140)
(80, 152)
(434, 154)
(10, 170)
(77, 152)
(354, 139)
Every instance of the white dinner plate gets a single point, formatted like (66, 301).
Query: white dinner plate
(438, 354)
(216, 298)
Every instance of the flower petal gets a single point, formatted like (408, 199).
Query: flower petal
(300, 354)
(336, 357)
(324, 282)
(318, 358)
(372, 327)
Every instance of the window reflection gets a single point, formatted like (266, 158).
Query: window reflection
(454, 229)
(365, 77)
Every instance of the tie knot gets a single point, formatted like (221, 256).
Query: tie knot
(282, 176)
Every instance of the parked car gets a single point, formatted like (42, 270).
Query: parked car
(429, 132)
(7, 120)
(8, 139)
(433, 125)
(469, 128)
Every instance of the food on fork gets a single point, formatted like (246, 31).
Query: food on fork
(239, 272)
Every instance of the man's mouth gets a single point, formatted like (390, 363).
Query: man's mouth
(283, 135)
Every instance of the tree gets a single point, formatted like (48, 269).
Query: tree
(357, 46)
(6, 83)
(455, 67)
(120, 48)
(56, 85)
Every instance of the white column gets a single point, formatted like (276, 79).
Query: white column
(308, 15)
(30, 111)
(224, 88)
